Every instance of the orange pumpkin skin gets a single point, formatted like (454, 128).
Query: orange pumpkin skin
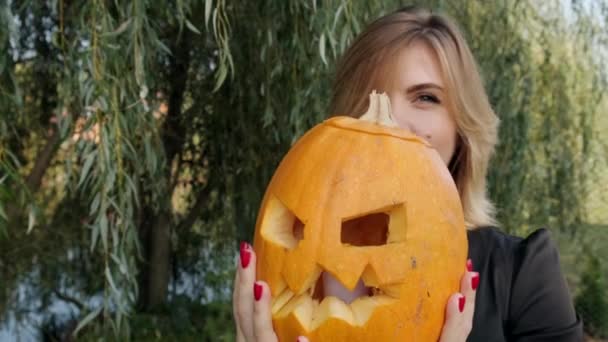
(340, 170)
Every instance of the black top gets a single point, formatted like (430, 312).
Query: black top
(522, 294)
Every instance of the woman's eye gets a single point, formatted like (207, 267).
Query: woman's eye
(428, 98)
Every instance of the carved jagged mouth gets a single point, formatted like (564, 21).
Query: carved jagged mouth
(311, 308)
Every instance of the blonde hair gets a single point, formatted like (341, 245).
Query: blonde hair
(365, 66)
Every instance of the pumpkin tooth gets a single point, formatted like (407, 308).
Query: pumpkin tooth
(310, 282)
(279, 301)
(332, 307)
(301, 308)
(393, 291)
(369, 277)
(362, 308)
(292, 305)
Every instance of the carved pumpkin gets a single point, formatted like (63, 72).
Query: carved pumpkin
(361, 201)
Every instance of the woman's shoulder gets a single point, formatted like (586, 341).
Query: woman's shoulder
(518, 264)
(491, 241)
(524, 281)
(498, 238)
(515, 256)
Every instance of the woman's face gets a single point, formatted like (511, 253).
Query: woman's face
(419, 99)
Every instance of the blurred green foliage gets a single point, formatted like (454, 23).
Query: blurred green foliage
(137, 138)
(592, 300)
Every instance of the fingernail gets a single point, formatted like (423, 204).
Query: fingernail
(257, 291)
(475, 281)
(469, 265)
(245, 254)
(461, 302)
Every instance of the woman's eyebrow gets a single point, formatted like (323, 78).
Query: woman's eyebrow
(423, 86)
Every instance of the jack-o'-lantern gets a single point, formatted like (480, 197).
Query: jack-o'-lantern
(362, 202)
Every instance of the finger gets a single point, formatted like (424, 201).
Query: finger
(302, 339)
(452, 328)
(461, 307)
(262, 318)
(243, 293)
(240, 336)
(235, 298)
(455, 308)
(468, 287)
(459, 314)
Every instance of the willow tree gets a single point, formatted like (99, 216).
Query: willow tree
(97, 133)
(137, 137)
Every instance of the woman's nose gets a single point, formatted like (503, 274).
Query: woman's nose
(411, 127)
(405, 120)
(415, 129)
(407, 123)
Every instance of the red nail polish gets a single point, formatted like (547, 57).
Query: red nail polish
(469, 265)
(461, 302)
(257, 291)
(475, 281)
(245, 254)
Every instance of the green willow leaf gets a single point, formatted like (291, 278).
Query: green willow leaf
(192, 27)
(87, 319)
(120, 29)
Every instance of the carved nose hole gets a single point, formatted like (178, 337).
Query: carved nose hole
(368, 230)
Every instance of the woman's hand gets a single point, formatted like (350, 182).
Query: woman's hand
(459, 310)
(251, 302)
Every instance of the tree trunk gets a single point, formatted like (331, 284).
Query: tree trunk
(156, 229)
(43, 160)
(156, 270)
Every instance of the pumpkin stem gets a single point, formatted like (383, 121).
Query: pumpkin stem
(379, 110)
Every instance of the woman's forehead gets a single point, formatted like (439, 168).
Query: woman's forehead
(413, 64)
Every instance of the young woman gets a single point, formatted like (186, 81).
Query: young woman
(420, 59)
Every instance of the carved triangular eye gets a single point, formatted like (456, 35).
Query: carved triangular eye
(280, 225)
(375, 229)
